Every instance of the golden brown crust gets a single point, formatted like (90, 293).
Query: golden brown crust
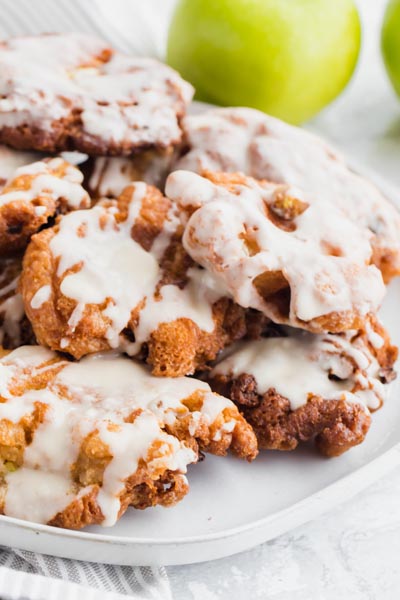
(213, 439)
(32, 197)
(140, 492)
(388, 262)
(50, 322)
(174, 348)
(181, 346)
(80, 513)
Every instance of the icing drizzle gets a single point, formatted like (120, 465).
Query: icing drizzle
(53, 180)
(116, 273)
(239, 231)
(120, 99)
(247, 140)
(96, 397)
(301, 365)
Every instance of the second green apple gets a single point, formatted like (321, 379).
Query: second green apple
(391, 42)
(286, 57)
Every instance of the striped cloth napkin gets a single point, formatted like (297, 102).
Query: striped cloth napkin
(136, 27)
(30, 576)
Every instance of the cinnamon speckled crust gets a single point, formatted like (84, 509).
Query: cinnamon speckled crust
(72, 91)
(174, 347)
(34, 194)
(334, 425)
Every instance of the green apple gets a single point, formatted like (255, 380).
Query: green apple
(286, 57)
(391, 42)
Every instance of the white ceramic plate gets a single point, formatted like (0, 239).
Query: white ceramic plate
(233, 505)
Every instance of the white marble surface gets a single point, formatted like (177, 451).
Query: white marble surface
(354, 551)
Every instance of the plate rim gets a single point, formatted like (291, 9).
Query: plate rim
(390, 459)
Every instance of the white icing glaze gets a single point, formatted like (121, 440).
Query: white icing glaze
(374, 338)
(298, 367)
(95, 377)
(229, 426)
(97, 395)
(212, 407)
(193, 302)
(112, 265)
(28, 356)
(10, 160)
(74, 158)
(42, 295)
(40, 210)
(41, 486)
(53, 179)
(320, 283)
(242, 139)
(111, 175)
(118, 274)
(122, 99)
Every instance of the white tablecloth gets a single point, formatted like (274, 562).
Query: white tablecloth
(353, 552)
